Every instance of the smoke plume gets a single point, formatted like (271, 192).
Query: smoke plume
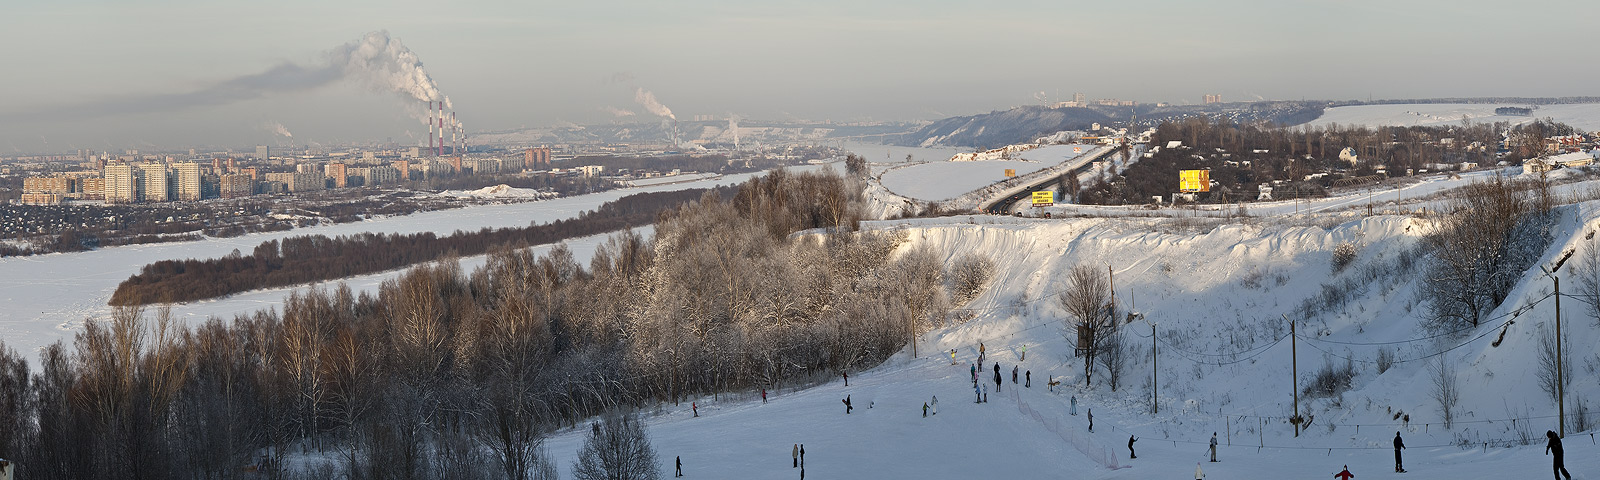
(375, 61)
(648, 101)
(619, 112)
(277, 128)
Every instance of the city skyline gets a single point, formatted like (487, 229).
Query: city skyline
(170, 74)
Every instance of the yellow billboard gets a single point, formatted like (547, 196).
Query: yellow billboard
(1194, 180)
(1044, 198)
(1011, 172)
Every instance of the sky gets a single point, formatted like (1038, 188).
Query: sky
(154, 74)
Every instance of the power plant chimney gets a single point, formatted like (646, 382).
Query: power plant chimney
(430, 125)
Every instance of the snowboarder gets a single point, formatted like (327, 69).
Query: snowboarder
(924, 409)
(763, 395)
(1344, 474)
(1074, 404)
(1013, 374)
(1028, 379)
(1198, 475)
(1091, 419)
(695, 407)
(1213, 446)
(1132, 455)
(1555, 444)
(680, 467)
(935, 404)
(847, 407)
(794, 453)
(1398, 445)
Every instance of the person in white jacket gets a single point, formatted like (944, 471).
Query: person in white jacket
(1198, 475)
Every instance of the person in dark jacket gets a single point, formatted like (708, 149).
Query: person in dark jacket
(794, 454)
(1132, 455)
(1028, 377)
(1091, 420)
(997, 381)
(680, 467)
(1398, 445)
(1013, 374)
(1555, 445)
(846, 404)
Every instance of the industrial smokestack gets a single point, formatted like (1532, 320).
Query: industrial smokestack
(430, 125)
(455, 139)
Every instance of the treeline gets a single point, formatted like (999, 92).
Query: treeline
(1243, 156)
(449, 374)
(314, 258)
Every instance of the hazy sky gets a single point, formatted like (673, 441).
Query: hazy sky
(109, 75)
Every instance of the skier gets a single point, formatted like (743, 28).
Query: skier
(1398, 445)
(1091, 419)
(997, 378)
(977, 392)
(1198, 475)
(1213, 446)
(924, 409)
(680, 467)
(846, 379)
(1013, 374)
(935, 404)
(980, 348)
(1555, 444)
(1024, 352)
(1344, 474)
(763, 395)
(974, 375)
(1074, 404)
(1027, 377)
(985, 393)
(794, 453)
(695, 407)
(846, 404)
(1132, 455)
(802, 459)
(952, 356)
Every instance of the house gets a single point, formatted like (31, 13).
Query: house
(1348, 155)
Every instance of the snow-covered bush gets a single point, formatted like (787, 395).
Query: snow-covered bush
(1343, 255)
(1385, 360)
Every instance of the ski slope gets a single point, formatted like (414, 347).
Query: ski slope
(1216, 295)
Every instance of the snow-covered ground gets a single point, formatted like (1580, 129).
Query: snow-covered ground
(1585, 116)
(500, 191)
(47, 297)
(1216, 296)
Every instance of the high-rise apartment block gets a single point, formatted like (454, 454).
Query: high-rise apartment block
(1213, 98)
(153, 186)
(187, 177)
(235, 185)
(122, 183)
(262, 152)
(536, 157)
(339, 172)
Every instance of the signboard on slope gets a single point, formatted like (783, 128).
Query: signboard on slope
(1044, 198)
(1011, 172)
(1194, 180)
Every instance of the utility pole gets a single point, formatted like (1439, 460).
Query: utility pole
(1561, 394)
(1155, 381)
(1294, 384)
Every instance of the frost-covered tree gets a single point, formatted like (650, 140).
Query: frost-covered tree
(616, 449)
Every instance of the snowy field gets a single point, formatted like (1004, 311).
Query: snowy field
(1216, 297)
(47, 297)
(1584, 116)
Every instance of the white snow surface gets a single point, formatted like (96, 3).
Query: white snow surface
(967, 184)
(501, 191)
(1216, 293)
(1584, 116)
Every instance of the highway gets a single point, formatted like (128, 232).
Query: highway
(1004, 205)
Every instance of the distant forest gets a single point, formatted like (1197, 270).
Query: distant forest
(314, 258)
(450, 374)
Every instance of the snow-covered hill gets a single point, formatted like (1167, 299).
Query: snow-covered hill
(1585, 116)
(1217, 293)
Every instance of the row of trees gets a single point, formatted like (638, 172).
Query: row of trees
(313, 258)
(450, 374)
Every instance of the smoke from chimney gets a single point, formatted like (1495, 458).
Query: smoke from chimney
(648, 101)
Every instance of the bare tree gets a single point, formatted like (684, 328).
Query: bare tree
(1445, 392)
(616, 449)
(970, 273)
(1112, 350)
(1548, 362)
(1586, 272)
(1086, 300)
